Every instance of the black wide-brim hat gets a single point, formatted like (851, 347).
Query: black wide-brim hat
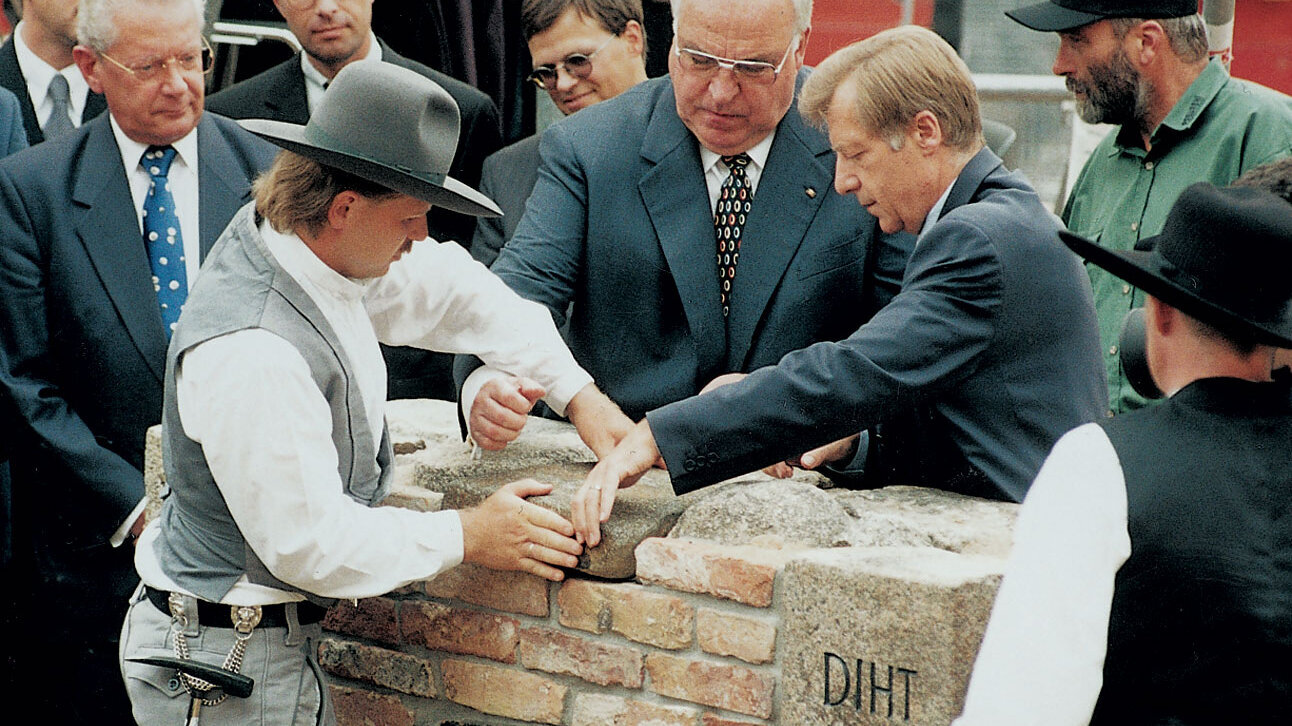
(389, 125)
(1223, 257)
(1059, 15)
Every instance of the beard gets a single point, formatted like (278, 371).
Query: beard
(1115, 94)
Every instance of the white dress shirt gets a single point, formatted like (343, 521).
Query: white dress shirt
(265, 426)
(38, 74)
(1042, 657)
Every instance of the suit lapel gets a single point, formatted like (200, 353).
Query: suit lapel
(217, 200)
(676, 199)
(11, 77)
(971, 177)
(287, 102)
(783, 210)
(95, 104)
(109, 231)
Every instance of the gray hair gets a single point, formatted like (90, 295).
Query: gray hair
(802, 14)
(1186, 34)
(96, 20)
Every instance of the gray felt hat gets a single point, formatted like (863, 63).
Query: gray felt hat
(390, 126)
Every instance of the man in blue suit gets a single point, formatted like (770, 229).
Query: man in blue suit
(82, 339)
(621, 223)
(992, 340)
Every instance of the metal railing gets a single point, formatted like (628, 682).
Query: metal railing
(230, 37)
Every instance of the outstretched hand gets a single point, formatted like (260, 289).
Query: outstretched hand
(500, 410)
(505, 532)
(622, 467)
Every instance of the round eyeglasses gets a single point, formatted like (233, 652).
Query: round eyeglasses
(576, 65)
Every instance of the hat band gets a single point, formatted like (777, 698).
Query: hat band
(327, 142)
(1249, 302)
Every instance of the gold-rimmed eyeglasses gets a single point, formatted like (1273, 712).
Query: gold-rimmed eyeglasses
(577, 65)
(706, 64)
(185, 62)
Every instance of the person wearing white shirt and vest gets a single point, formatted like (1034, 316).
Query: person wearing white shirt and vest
(274, 434)
(1149, 581)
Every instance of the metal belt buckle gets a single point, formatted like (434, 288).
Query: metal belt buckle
(245, 618)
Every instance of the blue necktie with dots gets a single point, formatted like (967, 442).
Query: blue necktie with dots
(162, 237)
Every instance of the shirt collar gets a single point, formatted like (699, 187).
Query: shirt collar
(932, 217)
(132, 151)
(758, 154)
(316, 79)
(38, 74)
(304, 266)
(1186, 111)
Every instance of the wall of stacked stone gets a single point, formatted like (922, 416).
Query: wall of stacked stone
(754, 602)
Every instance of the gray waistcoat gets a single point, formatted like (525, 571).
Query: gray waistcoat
(201, 547)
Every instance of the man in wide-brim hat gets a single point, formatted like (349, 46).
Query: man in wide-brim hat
(273, 428)
(1149, 581)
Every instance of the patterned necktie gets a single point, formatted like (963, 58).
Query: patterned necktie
(60, 120)
(734, 201)
(162, 237)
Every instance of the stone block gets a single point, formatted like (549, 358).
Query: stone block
(904, 516)
(882, 635)
(633, 611)
(378, 666)
(465, 632)
(750, 639)
(154, 475)
(712, 719)
(513, 592)
(365, 708)
(374, 618)
(504, 691)
(741, 573)
(757, 509)
(720, 685)
(604, 664)
(591, 709)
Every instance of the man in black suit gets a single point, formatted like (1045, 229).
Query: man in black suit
(36, 55)
(82, 332)
(991, 341)
(334, 33)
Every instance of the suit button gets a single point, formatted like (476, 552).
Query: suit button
(689, 464)
(713, 457)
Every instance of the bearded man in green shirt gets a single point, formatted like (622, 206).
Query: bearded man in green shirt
(1143, 64)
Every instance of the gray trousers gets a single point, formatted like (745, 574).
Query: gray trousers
(290, 687)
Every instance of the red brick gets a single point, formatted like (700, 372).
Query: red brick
(633, 611)
(740, 573)
(453, 630)
(514, 592)
(373, 618)
(605, 664)
(598, 709)
(378, 666)
(729, 687)
(364, 708)
(503, 691)
(752, 640)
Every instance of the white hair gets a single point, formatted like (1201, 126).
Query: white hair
(96, 20)
(802, 14)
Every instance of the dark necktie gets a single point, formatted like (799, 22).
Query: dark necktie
(162, 237)
(60, 119)
(734, 201)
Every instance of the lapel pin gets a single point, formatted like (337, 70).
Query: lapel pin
(810, 192)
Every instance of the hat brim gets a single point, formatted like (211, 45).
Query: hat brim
(1048, 17)
(1145, 271)
(451, 194)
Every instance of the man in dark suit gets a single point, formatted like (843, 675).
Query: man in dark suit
(39, 50)
(333, 34)
(992, 339)
(1171, 604)
(583, 52)
(622, 223)
(83, 300)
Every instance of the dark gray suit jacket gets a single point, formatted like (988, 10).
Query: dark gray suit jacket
(508, 178)
(993, 332)
(11, 78)
(619, 224)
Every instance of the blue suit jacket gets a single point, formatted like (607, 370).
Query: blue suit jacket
(619, 224)
(82, 351)
(993, 332)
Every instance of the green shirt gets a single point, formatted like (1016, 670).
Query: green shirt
(1219, 129)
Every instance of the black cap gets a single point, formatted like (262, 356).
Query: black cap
(1223, 257)
(1056, 15)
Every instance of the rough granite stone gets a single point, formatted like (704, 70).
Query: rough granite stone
(917, 517)
(882, 635)
(758, 508)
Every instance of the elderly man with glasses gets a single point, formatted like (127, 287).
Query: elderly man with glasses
(104, 229)
(692, 223)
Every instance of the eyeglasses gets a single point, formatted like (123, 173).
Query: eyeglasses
(186, 63)
(577, 65)
(758, 72)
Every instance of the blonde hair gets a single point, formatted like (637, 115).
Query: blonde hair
(297, 192)
(898, 73)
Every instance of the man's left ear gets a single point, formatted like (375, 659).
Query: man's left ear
(926, 130)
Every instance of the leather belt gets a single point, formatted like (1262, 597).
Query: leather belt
(215, 615)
